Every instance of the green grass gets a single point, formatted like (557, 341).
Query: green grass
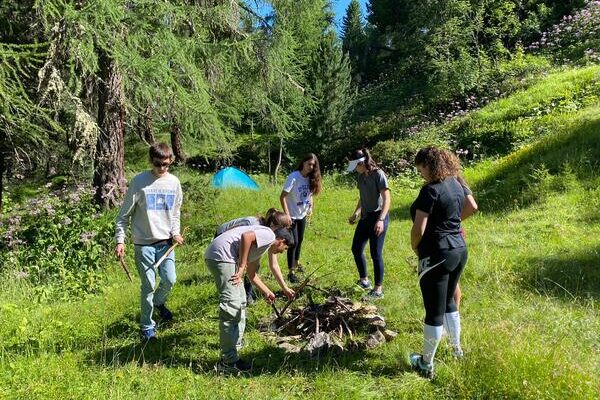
(530, 306)
(530, 314)
(550, 105)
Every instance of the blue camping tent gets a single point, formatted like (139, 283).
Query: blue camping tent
(232, 177)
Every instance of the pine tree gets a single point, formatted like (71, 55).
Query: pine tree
(354, 39)
(331, 89)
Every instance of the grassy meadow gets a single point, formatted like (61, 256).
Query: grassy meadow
(530, 310)
(529, 313)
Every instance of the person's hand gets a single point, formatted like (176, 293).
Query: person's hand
(379, 228)
(352, 219)
(178, 239)
(289, 293)
(238, 277)
(269, 297)
(120, 250)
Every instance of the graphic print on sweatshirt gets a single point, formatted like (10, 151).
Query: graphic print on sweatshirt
(160, 199)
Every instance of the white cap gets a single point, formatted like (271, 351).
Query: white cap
(352, 165)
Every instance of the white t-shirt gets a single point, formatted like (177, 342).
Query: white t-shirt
(226, 246)
(299, 195)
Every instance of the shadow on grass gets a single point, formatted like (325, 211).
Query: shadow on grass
(196, 280)
(568, 276)
(514, 184)
(195, 345)
(175, 350)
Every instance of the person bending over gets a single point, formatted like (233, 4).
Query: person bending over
(231, 255)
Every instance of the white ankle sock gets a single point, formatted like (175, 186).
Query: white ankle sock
(452, 325)
(431, 338)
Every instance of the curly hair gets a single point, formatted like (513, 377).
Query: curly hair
(452, 162)
(441, 163)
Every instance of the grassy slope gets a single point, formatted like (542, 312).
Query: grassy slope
(530, 310)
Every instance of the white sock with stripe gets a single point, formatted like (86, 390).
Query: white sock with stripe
(452, 325)
(431, 338)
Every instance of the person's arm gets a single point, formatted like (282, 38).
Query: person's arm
(418, 229)
(246, 241)
(256, 281)
(356, 214)
(276, 270)
(283, 201)
(469, 208)
(122, 222)
(387, 200)
(176, 221)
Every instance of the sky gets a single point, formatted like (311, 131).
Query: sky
(339, 8)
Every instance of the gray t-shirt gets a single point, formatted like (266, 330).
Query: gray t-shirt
(370, 187)
(226, 247)
(235, 223)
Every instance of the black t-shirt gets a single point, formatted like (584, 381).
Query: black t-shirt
(443, 201)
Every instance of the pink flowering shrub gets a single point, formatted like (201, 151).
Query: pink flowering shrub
(575, 38)
(58, 242)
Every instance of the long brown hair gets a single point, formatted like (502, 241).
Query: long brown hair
(437, 161)
(369, 163)
(314, 177)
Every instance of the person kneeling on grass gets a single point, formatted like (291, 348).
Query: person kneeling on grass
(228, 257)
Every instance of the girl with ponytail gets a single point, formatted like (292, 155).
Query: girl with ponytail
(372, 213)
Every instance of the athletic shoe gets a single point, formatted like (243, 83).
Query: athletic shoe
(420, 366)
(364, 285)
(458, 352)
(300, 268)
(149, 334)
(373, 295)
(165, 314)
(293, 278)
(240, 365)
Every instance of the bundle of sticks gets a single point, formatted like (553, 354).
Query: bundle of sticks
(338, 323)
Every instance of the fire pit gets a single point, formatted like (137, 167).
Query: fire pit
(338, 323)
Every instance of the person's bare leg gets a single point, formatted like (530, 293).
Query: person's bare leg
(457, 296)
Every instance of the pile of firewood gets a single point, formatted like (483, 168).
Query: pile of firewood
(337, 324)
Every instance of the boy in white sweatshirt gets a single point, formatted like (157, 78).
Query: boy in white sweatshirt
(152, 205)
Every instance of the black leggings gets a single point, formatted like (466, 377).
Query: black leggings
(365, 231)
(439, 283)
(293, 253)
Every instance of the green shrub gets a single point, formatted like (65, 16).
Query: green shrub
(59, 243)
(397, 156)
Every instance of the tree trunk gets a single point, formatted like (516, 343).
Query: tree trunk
(2, 170)
(269, 155)
(145, 127)
(180, 157)
(109, 179)
(276, 173)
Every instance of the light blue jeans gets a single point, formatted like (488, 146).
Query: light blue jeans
(232, 309)
(145, 258)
